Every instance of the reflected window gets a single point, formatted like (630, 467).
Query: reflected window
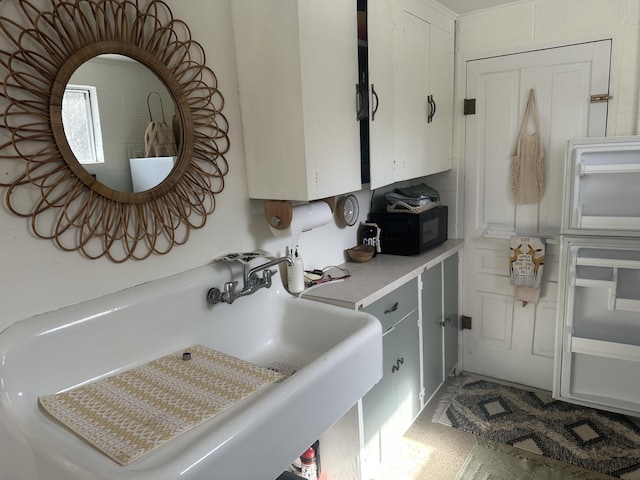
(81, 120)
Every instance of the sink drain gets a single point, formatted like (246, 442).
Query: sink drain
(282, 368)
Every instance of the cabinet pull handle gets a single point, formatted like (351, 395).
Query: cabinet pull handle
(392, 308)
(445, 321)
(433, 102)
(396, 367)
(375, 97)
(432, 108)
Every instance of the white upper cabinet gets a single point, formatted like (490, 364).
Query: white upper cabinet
(380, 84)
(441, 88)
(297, 64)
(410, 53)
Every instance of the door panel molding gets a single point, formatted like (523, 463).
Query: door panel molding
(496, 319)
(544, 330)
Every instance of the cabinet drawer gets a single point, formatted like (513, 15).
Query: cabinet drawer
(389, 408)
(393, 307)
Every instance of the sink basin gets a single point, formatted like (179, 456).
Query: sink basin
(336, 354)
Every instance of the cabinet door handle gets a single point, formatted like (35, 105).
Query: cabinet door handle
(375, 107)
(432, 108)
(445, 321)
(396, 367)
(392, 308)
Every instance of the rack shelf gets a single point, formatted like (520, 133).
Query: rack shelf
(615, 404)
(627, 305)
(609, 168)
(590, 282)
(609, 222)
(601, 348)
(608, 262)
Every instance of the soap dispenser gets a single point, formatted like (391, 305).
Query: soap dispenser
(295, 274)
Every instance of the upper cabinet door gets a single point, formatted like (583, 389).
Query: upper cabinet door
(297, 67)
(380, 38)
(441, 90)
(410, 52)
(411, 94)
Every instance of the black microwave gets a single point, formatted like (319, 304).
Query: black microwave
(411, 233)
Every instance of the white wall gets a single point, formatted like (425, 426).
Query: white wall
(534, 24)
(37, 277)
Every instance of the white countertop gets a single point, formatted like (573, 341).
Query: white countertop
(381, 275)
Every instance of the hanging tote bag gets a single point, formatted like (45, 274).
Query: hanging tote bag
(159, 140)
(527, 162)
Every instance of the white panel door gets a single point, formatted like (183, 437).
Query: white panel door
(509, 341)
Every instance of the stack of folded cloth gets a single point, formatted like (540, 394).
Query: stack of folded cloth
(415, 199)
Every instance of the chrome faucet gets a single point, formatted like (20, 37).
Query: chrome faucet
(252, 282)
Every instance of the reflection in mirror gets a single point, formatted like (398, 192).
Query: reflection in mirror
(81, 121)
(106, 111)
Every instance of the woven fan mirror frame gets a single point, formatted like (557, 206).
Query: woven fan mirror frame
(46, 183)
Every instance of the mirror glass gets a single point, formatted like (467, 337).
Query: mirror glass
(120, 122)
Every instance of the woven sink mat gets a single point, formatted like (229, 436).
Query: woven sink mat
(131, 413)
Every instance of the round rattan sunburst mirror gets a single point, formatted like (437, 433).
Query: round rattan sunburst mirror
(44, 180)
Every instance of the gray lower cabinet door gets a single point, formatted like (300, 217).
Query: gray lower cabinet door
(432, 330)
(451, 314)
(389, 408)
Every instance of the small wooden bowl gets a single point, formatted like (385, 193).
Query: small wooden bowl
(361, 253)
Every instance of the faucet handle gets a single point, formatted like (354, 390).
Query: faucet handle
(230, 287)
(214, 295)
(266, 277)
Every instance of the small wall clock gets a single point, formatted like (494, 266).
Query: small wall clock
(348, 210)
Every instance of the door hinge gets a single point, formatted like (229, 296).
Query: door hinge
(465, 322)
(603, 97)
(469, 106)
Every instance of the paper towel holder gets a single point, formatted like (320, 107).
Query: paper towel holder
(280, 212)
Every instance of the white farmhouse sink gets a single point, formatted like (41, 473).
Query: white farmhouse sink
(338, 354)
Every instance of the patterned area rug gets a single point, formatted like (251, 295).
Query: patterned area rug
(494, 461)
(596, 440)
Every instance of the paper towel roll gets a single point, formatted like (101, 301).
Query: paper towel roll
(305, 217)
